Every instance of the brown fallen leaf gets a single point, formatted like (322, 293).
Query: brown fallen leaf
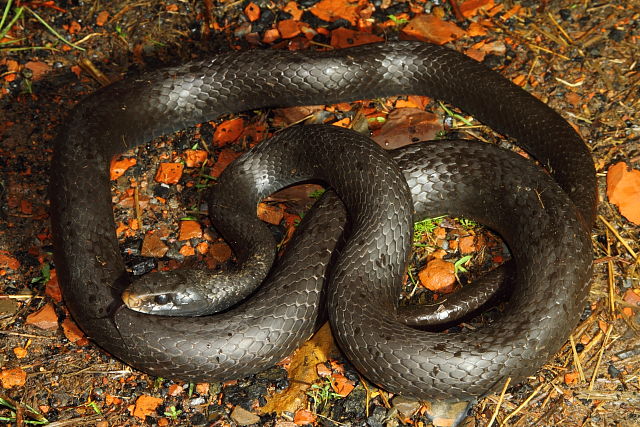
(302, 372)
(332, 10)
(430, 28)
(225, 157)
(407, 125)
(344, 37)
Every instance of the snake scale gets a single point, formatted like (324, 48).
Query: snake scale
(545, 225)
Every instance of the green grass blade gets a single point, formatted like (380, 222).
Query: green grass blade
(54, 32)
(7, 8)
(4, 31)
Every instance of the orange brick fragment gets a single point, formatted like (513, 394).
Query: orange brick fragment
(73, 332)
(571, 378)
(270, 213)
(15, 377)
(471, 7)
(344, 37)
(289, 28)
(304, 417)
(294, 10)
(120, 166)
(438, 275)
(190, 230)
(187, 250)
(102, 18)
(252, 11)
(623, 190)
(153, 246)
(145, 405)
(195, 158)
(228, 131)
(45, 318)
(7, 261)
(169, 173)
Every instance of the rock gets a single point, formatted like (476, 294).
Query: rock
(243, 417)
(405, 405)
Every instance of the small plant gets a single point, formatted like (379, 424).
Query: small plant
(321, 394)
(45, 274)
(467, 223)
(397, 21)
(17, 13)
(36, 418)
(316, 194)
(423, 227)
(93, 405)
(377, 119)
(173, 413)
(120, 32)
(456, 116)
(458, 266)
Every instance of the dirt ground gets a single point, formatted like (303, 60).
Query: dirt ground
(581, 57)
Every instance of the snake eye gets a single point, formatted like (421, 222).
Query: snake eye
(161, 299)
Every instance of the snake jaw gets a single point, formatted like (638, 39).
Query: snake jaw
(130, 300)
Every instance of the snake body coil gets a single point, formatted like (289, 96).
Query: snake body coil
(546, 232)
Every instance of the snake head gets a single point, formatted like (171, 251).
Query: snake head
(183, 292)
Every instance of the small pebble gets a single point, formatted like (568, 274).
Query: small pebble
(243, 417)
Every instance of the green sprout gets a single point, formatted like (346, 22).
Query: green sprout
(458, 266)
(467, 223)
(378, 119)
(423, 227)
(316, 194)
(38, 418)
(321, 394)
(45, 274)
(456, 116)
(17, 13)
(93, 405)
(120, 32)
(396, 20)
(173, 413)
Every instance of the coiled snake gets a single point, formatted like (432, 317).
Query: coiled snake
(546, 232)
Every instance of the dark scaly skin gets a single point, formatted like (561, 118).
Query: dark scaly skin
(547, 301)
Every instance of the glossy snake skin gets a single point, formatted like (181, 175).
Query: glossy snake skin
(546, 231)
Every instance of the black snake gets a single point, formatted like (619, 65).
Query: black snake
(547, 234)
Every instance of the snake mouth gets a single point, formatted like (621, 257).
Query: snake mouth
(130, 300)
